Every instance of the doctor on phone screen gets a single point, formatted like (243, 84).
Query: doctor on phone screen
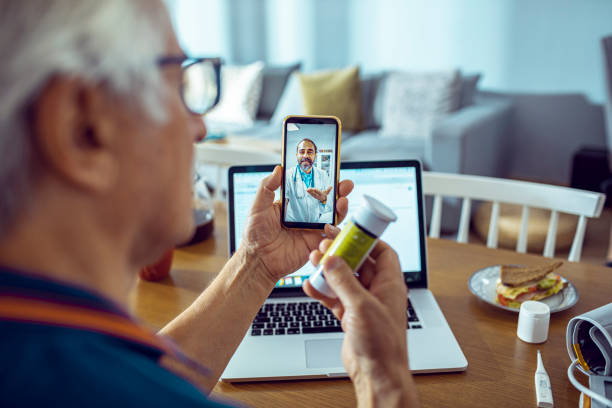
(308, 188)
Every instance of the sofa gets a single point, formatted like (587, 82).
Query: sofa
(473, 139)
(470, 140)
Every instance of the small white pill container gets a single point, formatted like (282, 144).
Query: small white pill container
(533, 322)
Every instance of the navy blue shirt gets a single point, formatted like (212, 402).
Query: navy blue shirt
(47, 365)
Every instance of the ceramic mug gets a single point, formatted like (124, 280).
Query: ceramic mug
(160, 269)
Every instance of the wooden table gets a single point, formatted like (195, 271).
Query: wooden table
(501, 367)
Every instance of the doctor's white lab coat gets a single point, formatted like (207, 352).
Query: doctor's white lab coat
(302, 207)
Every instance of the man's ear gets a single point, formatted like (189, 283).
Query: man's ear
(73, 134)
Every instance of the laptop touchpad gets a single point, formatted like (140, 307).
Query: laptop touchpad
(323, 353)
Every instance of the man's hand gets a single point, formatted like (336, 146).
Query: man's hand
(372, 309)
(320, 195)
(281, 250)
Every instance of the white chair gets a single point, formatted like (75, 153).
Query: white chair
(585, 204)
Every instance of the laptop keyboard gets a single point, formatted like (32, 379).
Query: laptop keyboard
(412, 320)
(294, 318)
(278, 319)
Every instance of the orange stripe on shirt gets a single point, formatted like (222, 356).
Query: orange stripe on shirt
(40, 311)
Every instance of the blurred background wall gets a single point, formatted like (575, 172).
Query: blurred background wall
(518, 45)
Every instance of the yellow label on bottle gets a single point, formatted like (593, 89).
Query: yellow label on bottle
(352, 245)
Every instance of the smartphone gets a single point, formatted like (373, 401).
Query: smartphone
(311, 163)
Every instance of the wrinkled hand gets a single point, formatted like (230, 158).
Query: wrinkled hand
(372, 309)
(282, 250)
(320, 195)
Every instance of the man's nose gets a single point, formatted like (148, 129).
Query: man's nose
(198, 128)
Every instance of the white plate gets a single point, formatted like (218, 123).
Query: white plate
(483, 284)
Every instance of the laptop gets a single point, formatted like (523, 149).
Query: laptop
(293, 336)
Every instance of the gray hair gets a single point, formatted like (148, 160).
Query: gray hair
(112, 41)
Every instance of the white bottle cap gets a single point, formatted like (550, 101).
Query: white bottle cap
(534, 318)
(535, 309)
(374, 216)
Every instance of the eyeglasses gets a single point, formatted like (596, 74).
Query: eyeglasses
(201, 83)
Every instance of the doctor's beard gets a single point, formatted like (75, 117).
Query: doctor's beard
(305, 164)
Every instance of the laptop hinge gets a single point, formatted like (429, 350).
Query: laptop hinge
(282, 293)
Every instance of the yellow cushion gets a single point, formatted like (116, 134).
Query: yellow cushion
(510, 224)
(336, 92)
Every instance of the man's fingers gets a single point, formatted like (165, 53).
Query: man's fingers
(342, 281)
(367, 272)
(341, 208)
(345, 187)
(387, 269)
(265, 192)
(324, 245)
(380, 248)
(315, 257)
(386, 261)
(333, 304)
(331, 231)
(273, 181)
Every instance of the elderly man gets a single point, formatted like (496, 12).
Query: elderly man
(95, 164)
(307, 188)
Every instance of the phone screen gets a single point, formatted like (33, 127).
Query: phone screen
(310, 162)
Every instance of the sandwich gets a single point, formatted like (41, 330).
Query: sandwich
(517, 284)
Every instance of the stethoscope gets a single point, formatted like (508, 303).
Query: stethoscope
(302, 191)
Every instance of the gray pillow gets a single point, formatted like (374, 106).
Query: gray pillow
(468, 89)
(291, 102)
(274, 81)
(370, 89)
(415, 101)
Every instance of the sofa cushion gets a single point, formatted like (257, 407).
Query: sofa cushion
(368, 145)
(274, 82)
(378, 102)
(370, 103)
(414, 101)
(333, 92)
(240, 93)
(469, 84)
(290, 102)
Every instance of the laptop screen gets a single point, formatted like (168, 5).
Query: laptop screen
(395, 186)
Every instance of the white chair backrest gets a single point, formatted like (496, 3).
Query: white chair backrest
(230, 155)
(225, 155)
(584, 204)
